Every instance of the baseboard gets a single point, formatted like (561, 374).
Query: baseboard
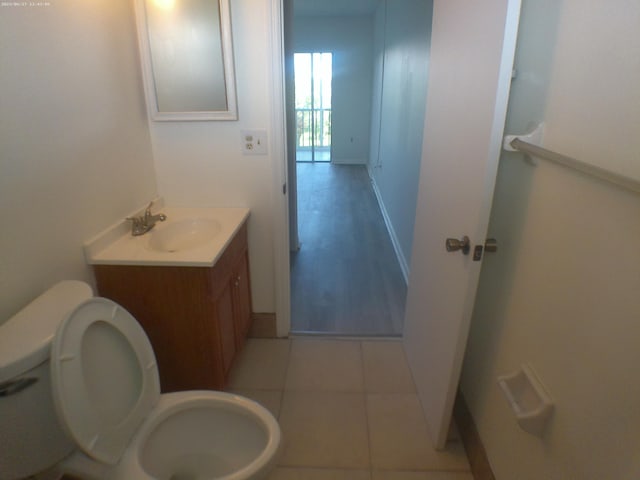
(477, 455)
(349, 161)
(392, 234)
(263, 325)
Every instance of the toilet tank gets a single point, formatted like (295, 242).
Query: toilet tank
(32, 439)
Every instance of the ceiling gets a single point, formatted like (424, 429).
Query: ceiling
(334, 7)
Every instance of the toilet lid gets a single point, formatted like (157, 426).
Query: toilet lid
(104, 377)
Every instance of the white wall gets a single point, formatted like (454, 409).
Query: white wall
(401, 59)
(201, 164)
(349, 38)
(562, 290)
(75, 154)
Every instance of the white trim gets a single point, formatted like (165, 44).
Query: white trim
(231, 113)
(279, 159)
(392, 233)
(349, 161)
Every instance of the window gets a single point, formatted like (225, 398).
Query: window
(313, 106)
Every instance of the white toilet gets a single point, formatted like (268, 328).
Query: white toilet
(79, 394)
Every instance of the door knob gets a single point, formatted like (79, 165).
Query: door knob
(453, 245)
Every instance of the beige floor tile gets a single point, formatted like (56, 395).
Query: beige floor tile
(399, 439)
(269, 399)
(325, 365)
(395, 475)
(261, 365)
(286, 473)
(385, 368)
(324, 430)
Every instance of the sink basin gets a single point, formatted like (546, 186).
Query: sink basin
(189, 237)
(182, 235)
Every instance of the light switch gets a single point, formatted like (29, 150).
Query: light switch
(254, 142)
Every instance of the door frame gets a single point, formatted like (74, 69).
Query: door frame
(281, 160)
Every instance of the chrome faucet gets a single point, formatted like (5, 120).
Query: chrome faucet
(142, 224)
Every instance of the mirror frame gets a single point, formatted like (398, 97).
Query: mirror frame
(231, 113)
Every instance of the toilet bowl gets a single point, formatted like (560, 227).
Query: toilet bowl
(104, 387)
(193, 435)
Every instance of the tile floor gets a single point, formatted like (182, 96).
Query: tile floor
(347, 409)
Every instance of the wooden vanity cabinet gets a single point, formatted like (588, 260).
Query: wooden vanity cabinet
(197, 318)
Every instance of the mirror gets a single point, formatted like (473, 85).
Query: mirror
(187, 58)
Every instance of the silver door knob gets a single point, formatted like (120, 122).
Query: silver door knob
(453, 245)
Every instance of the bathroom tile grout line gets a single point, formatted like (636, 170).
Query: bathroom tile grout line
(364, 395)
(286, 375)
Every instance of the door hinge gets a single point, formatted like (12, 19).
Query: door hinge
(284, 188)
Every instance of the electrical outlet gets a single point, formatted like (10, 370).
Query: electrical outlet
(254, 142)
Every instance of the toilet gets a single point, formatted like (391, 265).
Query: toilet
(80, 394)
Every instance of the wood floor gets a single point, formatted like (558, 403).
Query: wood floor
(345, 279)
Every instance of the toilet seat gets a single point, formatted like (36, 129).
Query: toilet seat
(104, 377)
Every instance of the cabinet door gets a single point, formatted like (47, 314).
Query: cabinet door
(224, 307)
(242, 300)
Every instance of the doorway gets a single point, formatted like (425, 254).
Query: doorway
(312, 73)
(437, 378)
(359, 201)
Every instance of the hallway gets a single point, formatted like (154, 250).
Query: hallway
(345, 279)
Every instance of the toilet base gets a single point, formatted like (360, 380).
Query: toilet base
(81, 466)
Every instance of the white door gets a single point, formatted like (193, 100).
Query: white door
(472, 49)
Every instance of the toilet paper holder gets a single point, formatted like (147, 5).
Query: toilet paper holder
(528, 398)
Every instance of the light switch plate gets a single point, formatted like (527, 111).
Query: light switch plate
(254, 142)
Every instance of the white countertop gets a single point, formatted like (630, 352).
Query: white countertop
(116, 245)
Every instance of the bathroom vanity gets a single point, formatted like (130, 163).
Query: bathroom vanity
(190, 292)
